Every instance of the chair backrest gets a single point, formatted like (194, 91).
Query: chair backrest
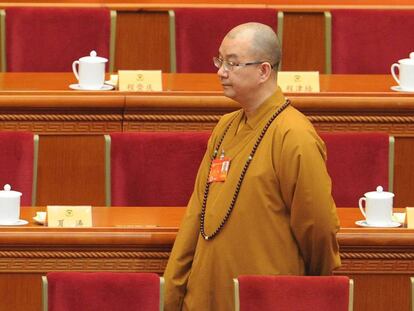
(18, 158)
(368, 41)
(293, 293)
(50, 39)
(66, 291)
(153, 168)
(358, 162)
(196, 34)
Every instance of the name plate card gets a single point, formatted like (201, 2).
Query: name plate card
(410, 217)
(298, 81)
(66, 216)
(140, 80)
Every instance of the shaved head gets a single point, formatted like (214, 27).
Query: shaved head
(249, 56)
(264, 41)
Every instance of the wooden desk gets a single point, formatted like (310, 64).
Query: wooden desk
(72, 123)
(140, 239)
(122, 239)
(42, 102)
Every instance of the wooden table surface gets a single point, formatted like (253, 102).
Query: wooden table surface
(159, 225)
(125, 239)
(197, 82)
(159, 217)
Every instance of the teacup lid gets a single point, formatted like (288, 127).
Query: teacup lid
(379, 194)
(8, 193)
(408, 61)
(93, 58)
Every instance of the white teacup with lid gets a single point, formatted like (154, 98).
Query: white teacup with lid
(9, 206)
(378, 207)
(406, 73)
(91, 75)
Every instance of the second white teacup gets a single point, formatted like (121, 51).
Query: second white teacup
(378, 207)
(91, 74)
(406, 73)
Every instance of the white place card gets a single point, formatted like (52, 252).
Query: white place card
(69, 216)
(140, 80)
(298, 81)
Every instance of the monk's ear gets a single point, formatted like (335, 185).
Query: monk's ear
(265, 71)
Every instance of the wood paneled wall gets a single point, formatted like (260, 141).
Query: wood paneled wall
(71, 170)
(303, 44)
(143, 38)
(403, 171)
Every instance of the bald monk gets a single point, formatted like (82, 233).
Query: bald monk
(262, 200)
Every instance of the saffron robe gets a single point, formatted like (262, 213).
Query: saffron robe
(284, 220)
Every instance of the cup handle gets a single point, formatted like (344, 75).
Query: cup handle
(361, 208)
(75, 71)
(393, 66)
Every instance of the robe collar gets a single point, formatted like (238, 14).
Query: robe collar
(267, 107)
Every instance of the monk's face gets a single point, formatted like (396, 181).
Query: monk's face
(239, 82)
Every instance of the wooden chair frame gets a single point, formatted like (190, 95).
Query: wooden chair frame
(107, 170)
(35, 163)
(412, 293)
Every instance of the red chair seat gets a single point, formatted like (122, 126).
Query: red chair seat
(100, 291)
(16, 158)
(357, 162)
(369, 41)
(50, 39)
(293, 293)
(155, 168)
(199, 33)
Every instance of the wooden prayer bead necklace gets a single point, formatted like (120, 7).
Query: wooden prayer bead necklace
(239, 183)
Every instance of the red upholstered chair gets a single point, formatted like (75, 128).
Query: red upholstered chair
(50, 39)
(196, 34)
(369, 41)
(102, 291)
(293, 293)
(358, 162)
(18, 158)
(153, 168)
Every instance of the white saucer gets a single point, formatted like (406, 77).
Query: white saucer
(19, 222)
(39, 221)
(363, 223)
(399, 89)
(105, 87)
